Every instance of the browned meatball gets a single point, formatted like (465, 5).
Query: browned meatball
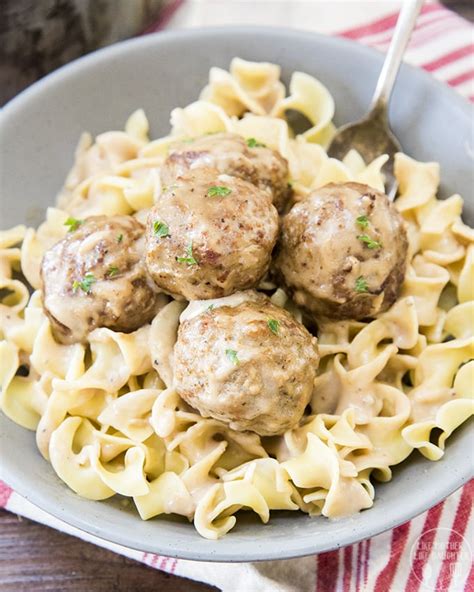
(210, 235)
(246, 362)
(343, 252)
(95, 277)
(232, 154)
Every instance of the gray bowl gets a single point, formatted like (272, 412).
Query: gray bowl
(38, 132)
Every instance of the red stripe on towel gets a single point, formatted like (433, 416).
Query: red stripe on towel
(328, 568)
(382, 24)
(387, 575)
(165, 16)
(428, 533)
(448, 58)
(457, 80)
(366, 562)
(347, 577)
(358, 566)
(5, 493)
(458, 529)
(469, 586)
(385, 37)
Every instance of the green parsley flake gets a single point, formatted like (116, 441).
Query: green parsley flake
(232, 356)
(362, 221)
(120, 238)
(210, 307)
(253, 143)
(218, 191)
(112, 271)
(370, 242)
(189, 258)
(160, 229)
(361, 285)
(73, 224)
(274, 326)
(85, 284)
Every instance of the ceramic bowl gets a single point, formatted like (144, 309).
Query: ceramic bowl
(38, 132)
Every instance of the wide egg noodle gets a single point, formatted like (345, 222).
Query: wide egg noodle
(248, 86)
(311, 98)
(106, 413)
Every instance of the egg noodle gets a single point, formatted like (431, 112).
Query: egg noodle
(106, 415)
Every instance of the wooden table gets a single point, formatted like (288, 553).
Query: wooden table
(35, 558)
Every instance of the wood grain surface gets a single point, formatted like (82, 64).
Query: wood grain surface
(35, 558)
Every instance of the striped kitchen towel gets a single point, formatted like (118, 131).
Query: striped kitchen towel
(432, 552)
(442, 42)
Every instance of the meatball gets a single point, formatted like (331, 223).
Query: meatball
(210, 235)
(232, 154)
(95, 277)
(246, 362)
(342, 252)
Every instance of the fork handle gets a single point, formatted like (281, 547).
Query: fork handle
(403, 29)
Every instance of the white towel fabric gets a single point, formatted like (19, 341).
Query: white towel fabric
(442, 43)
(439, 34)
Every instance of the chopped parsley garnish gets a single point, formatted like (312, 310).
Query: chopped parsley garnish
(120, 238)
(253, 143)
(189, 258)
(361, 284)
(232, 356)
(362, 221)
(210, 307)
(73, 223)
(112, 271)
(370, 242)
(218, 191)
(160, 229)
(274, 326)
(85, 284)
